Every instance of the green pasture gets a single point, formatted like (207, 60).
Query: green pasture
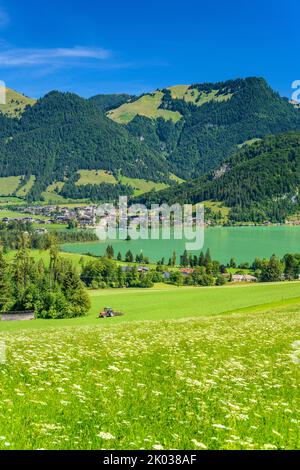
(220, 382)
(165, 302)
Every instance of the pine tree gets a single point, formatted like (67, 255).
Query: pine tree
(110, 252)
(129, 257)
(291, 269)
(201, 259)
(54, 270)
(207, 258)
(184, 259)
(24, 271)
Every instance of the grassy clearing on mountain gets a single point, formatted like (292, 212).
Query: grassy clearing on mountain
(142, 186)
(147, 105)
(249, 142)
(213, 96)
(226, 382)
(25, 188)
(52, 196)
(176, 178)
(55, 187)
(95, 177)
(15, 103)
(9, 184)
(218, 208)
(193, 95)
(179, 92)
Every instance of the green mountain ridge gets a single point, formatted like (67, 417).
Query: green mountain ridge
(63, 133)
(195, 127)
(259, 183)
(178, 133)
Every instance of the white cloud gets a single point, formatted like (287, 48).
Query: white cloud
(14, 57)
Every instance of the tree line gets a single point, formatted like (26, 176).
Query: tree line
(54, 291)
(11, 234)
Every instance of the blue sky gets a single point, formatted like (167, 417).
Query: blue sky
(91, 47)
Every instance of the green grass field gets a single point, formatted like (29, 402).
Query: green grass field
(14, 185)
(184, 368)
(217, 207)
(9, 201)
(12, 214)
(169, 302)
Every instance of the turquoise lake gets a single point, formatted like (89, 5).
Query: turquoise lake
(241, 243)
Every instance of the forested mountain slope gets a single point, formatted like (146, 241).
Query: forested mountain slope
(110, 101)
(63, 133)
(184, 130)
(196, 127)
(260, 182)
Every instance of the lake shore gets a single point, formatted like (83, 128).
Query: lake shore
(244, 243)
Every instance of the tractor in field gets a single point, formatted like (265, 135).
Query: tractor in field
(108, 312)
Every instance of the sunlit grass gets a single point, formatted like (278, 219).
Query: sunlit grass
(215, 382)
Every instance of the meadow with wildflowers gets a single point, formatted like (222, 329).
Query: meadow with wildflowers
(212, 382)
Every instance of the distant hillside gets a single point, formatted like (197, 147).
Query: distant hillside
(15, 103)
(195, 127)
(261, 182)
(63, 133)
(152, 105)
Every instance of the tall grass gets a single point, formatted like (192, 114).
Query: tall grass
(226, 382)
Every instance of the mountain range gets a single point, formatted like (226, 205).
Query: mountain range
(204, 134)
